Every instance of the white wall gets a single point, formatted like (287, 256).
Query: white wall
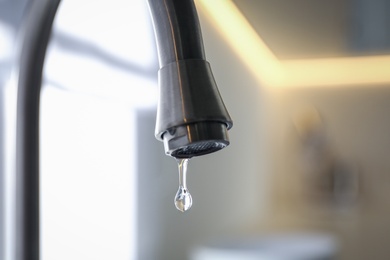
(356, 127)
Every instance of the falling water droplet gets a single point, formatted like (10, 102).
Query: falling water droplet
(183, 199)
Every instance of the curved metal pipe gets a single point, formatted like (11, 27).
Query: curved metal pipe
(34, 38)
(177, 30)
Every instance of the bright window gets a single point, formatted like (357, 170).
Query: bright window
(100, 70)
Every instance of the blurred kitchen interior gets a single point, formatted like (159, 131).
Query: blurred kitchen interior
(306, 83)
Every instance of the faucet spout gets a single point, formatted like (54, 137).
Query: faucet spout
(192, 119)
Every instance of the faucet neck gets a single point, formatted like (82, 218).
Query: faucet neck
(177, 30)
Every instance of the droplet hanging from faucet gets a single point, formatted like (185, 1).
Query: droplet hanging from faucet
(183, 198)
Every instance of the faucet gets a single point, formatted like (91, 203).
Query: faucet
(191, 118)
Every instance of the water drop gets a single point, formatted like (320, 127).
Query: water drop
(183, 199)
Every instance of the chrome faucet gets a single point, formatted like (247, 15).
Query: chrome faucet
(191, 119)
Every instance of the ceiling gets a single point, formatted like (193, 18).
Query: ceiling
(307, 43)
(318, 29)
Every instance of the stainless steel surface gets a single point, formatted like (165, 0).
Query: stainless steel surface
(191, 112)
(33, 43)
(177, 30)
(195, 139)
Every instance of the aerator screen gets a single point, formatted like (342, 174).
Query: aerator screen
(198, 149)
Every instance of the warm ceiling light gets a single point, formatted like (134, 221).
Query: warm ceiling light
(255, 54)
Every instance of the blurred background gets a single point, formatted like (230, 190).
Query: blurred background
(307, 174)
